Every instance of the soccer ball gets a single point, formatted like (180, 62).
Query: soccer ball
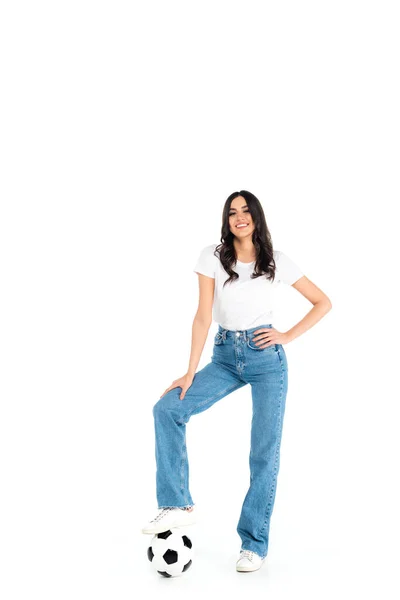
(170, 552)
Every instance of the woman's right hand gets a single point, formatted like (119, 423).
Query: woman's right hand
(184, 382)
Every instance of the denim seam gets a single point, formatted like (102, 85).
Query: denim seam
(183, 464)
(273, 483)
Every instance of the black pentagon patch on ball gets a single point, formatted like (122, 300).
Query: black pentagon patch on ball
(185, 568)
(170, 557)
(150, 553)
(164, 534)
(164, 573)
(186, 541)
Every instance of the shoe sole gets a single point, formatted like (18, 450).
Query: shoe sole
(247, 569)
(162, 528)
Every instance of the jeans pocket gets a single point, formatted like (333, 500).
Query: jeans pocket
(219, 338)
(282, 357)
(250, 344)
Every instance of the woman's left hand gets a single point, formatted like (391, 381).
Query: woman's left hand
(267, 336)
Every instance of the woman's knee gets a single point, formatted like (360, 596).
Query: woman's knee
(158, 406)
(163, 403)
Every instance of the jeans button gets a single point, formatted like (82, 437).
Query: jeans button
(237, 334)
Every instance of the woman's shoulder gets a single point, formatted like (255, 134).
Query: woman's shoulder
(207, 261)
(288, 270)
(280, 257)
(210, 249)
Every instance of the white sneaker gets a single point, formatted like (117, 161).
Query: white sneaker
(249, 561)
(170, 517)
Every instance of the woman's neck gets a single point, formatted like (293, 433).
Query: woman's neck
(245, 251)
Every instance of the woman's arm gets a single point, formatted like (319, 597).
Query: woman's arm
(202, 321)
(318, 298)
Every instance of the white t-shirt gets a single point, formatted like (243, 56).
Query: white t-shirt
(245, 302)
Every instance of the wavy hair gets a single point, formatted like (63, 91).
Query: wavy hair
(261, 237)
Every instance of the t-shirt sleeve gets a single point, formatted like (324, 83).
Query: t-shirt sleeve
(287, 270)
(206, 262)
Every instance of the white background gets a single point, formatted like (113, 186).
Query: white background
(124, 128)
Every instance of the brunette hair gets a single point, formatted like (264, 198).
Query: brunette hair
(261, 237)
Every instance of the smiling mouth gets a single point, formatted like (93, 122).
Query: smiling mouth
(241, 225)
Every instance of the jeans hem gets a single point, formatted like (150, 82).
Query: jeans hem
(169, 506)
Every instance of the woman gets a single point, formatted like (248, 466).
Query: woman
(236, 280)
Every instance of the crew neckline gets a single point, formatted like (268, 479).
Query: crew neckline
(243, 263)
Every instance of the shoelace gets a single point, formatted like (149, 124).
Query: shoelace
(247, 554)
(161, 514)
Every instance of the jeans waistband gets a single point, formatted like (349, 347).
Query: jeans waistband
(246, 333)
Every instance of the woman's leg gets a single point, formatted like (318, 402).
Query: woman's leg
(210, 384)
(269, 389)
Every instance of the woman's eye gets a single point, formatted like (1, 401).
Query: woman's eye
(231, 214)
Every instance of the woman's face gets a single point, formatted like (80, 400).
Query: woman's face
(240, 220)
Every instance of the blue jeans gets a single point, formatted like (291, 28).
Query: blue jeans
(235, 362)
